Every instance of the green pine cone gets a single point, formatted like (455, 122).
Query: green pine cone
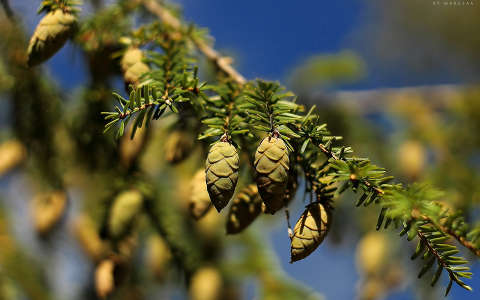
(272, 165)
(246, 207)
(310, 231)
(126, 206)
(221, 173)
(50, 35)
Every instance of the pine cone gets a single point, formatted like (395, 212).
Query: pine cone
(206, 284)
(272, 165)
(158, 256)
(178, 146)
(309, 232)
(87, 236)
(50, 35)
(221, 173)
(104, 279)
(199, 203)
(12, 153)
(48, 210)
(125, 208)
(246, 207)
(132, 66)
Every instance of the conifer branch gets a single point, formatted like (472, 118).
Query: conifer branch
(253, 109)
(221, 62)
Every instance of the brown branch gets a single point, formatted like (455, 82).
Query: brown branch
(461, 239)
(221, 62)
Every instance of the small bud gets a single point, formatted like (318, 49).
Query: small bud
(221, 173)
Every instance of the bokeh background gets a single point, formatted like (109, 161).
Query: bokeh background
(396, 78)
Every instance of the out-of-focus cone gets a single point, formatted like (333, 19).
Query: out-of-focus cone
(199, 203)
(372, 289)
(206, 284)
(133, 66)
(372, 253)
(130, 149)
(12, 153)
(87, 235)
(50, 35)
(412, 158)
(104, 280)
(246, 207)
(158, 256)
(125, 208)
(178, 146)
(210, 225)
(48, 209)
(395, 276)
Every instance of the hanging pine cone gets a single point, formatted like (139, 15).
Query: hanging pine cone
(12, 153)
(178, 146)
(132, 66)
(158, 256)
(50, 35)
(206, 284)
(48, 210)
(131, 149)
(309, 232)
(199, 203)
(221, 173)
(88, 238)
(272, 165)
(104, 280)
(125, 208)
(246, 207)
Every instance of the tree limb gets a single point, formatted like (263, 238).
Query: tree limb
(221, 62)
